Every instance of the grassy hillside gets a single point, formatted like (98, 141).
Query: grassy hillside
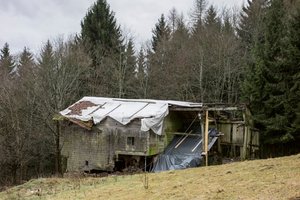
(277, 178)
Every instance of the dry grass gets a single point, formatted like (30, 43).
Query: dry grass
(261, 179)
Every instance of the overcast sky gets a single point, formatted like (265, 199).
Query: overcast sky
(31, 22)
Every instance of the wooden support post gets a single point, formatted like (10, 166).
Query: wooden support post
(206, 138)
(202, 132)
(245, 142)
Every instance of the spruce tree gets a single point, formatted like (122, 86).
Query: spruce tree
(159, 59)
(130, 70)
(275, 75)
(161, 33)
(46, 65)
(99, 30)
(46, 59)
(182, 32)
(250, 29)
(198, 14)
(141, 75)
(211, 19)
(26, 62)
(172, 18)
(251, 36)
(273, 88)
(26, 57)
(103, 40)
(227, 27)
(7, 63)
(291, 71)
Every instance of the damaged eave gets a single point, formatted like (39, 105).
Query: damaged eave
(198, 109)
(225, 108)
(213, 108)
(87, 125)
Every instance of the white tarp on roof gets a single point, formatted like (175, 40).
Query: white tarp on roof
(151, 112)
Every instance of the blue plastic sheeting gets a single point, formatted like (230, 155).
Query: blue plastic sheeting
(183, 152)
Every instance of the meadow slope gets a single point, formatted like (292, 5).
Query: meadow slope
(277, 178)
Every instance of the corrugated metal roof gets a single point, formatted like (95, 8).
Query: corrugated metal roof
(152, 112)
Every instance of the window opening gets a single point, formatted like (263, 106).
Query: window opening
(130, 141)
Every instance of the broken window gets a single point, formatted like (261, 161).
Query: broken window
(130, 141)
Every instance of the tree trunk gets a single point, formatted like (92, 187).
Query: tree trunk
(58, 156)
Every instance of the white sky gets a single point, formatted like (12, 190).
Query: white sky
(31, 22)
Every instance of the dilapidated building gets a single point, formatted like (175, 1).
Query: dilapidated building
(109, 134)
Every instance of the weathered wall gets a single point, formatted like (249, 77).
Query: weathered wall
(121, 133)
(80, 145)
(100, 146)
(156, 144)
(234, 136)
(172, 123)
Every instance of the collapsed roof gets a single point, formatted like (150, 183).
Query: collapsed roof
(151, 112)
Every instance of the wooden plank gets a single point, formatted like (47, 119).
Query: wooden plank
(197, 145)
(231, 122)
(206, 137)
(212, 143)
(181, 133)
(213, 108)
(134, 153)
(179, 143)
(225, 108)
(244, 152)
(197, 109)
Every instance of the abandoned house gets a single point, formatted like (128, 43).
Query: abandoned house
(108, 134)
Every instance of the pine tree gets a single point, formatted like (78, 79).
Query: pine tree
(251, 36)
(141, 75)
(172, 18)
(227, 27)
(250, 28)
(141, 71)
(7, 63)
(272, 89)
(177, 61)
(26, 63)
(159, 59)
(126, 71)
(211, 19)
(46, 63)
(275, 120)
(130, 78)
(161, 33)
(181, 33)
(102, 37)
(291, 77)
(99, 30)
(26, 57)
(47, 54)
(198, 13)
